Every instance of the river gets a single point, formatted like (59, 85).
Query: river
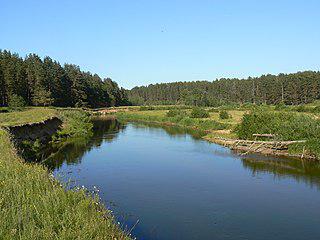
(170, 184)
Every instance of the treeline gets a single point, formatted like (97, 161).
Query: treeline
(44, 82)
(291, 89)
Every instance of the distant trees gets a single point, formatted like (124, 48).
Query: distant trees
(296, 88)
(45, 82)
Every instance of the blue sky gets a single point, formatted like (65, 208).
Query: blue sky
(138, 42)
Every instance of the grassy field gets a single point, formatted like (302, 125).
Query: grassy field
(25, 116)
(33, 205)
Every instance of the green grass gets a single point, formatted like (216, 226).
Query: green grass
(27, 115)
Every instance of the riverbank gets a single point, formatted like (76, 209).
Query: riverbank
(34, 205)
(225, 131)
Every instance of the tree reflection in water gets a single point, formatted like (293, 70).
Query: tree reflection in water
(73, 150)
(299, 169)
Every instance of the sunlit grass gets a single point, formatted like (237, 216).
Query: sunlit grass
(28, 115)
(236, 117)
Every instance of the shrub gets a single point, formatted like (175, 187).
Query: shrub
(16, 102)
(316, 109)
(280, 106)
(286, 125)
(146, 108)
(223, 114)
(302, 108)
(77, 123)
(176, 112)
(199, 113)
(215, 110)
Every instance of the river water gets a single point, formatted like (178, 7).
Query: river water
(170, 184)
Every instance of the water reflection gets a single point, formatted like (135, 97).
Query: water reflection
(298, 169)
(72, 151)
(172, 131)
(107, 130)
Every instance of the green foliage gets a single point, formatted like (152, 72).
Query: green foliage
(291, 89)
(214, 110)
(286, 125)
(224, 114)
(44, 82)
(176, 112)
(280, 106)
(199, 113)
(16, 102)
(316, 109)
(77, 123)
(146, 108)
(301, 108)
(42, 98)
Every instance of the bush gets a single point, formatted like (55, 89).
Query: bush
(199, 113)
(16, 102)
(215, 110)
(286, 125)
(146, 108)
(77, 123)
(176, 112)
(280, 106)
(300, 108)
(316, 109)
(223, 114)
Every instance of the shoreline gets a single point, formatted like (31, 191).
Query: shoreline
(231, 143)
(30, 193)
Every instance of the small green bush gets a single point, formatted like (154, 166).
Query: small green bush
(223, 114)
(301, 108)
(215, 110)
(176, 112)
(16, 102)
(199, 113)
(280, 106)
(77, 123)
(316, 109)
(146, 108)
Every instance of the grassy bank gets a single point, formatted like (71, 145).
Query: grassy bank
(33, 205)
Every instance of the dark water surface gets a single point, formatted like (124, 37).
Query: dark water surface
(181, 187)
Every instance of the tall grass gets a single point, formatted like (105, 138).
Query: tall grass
(35, 206)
